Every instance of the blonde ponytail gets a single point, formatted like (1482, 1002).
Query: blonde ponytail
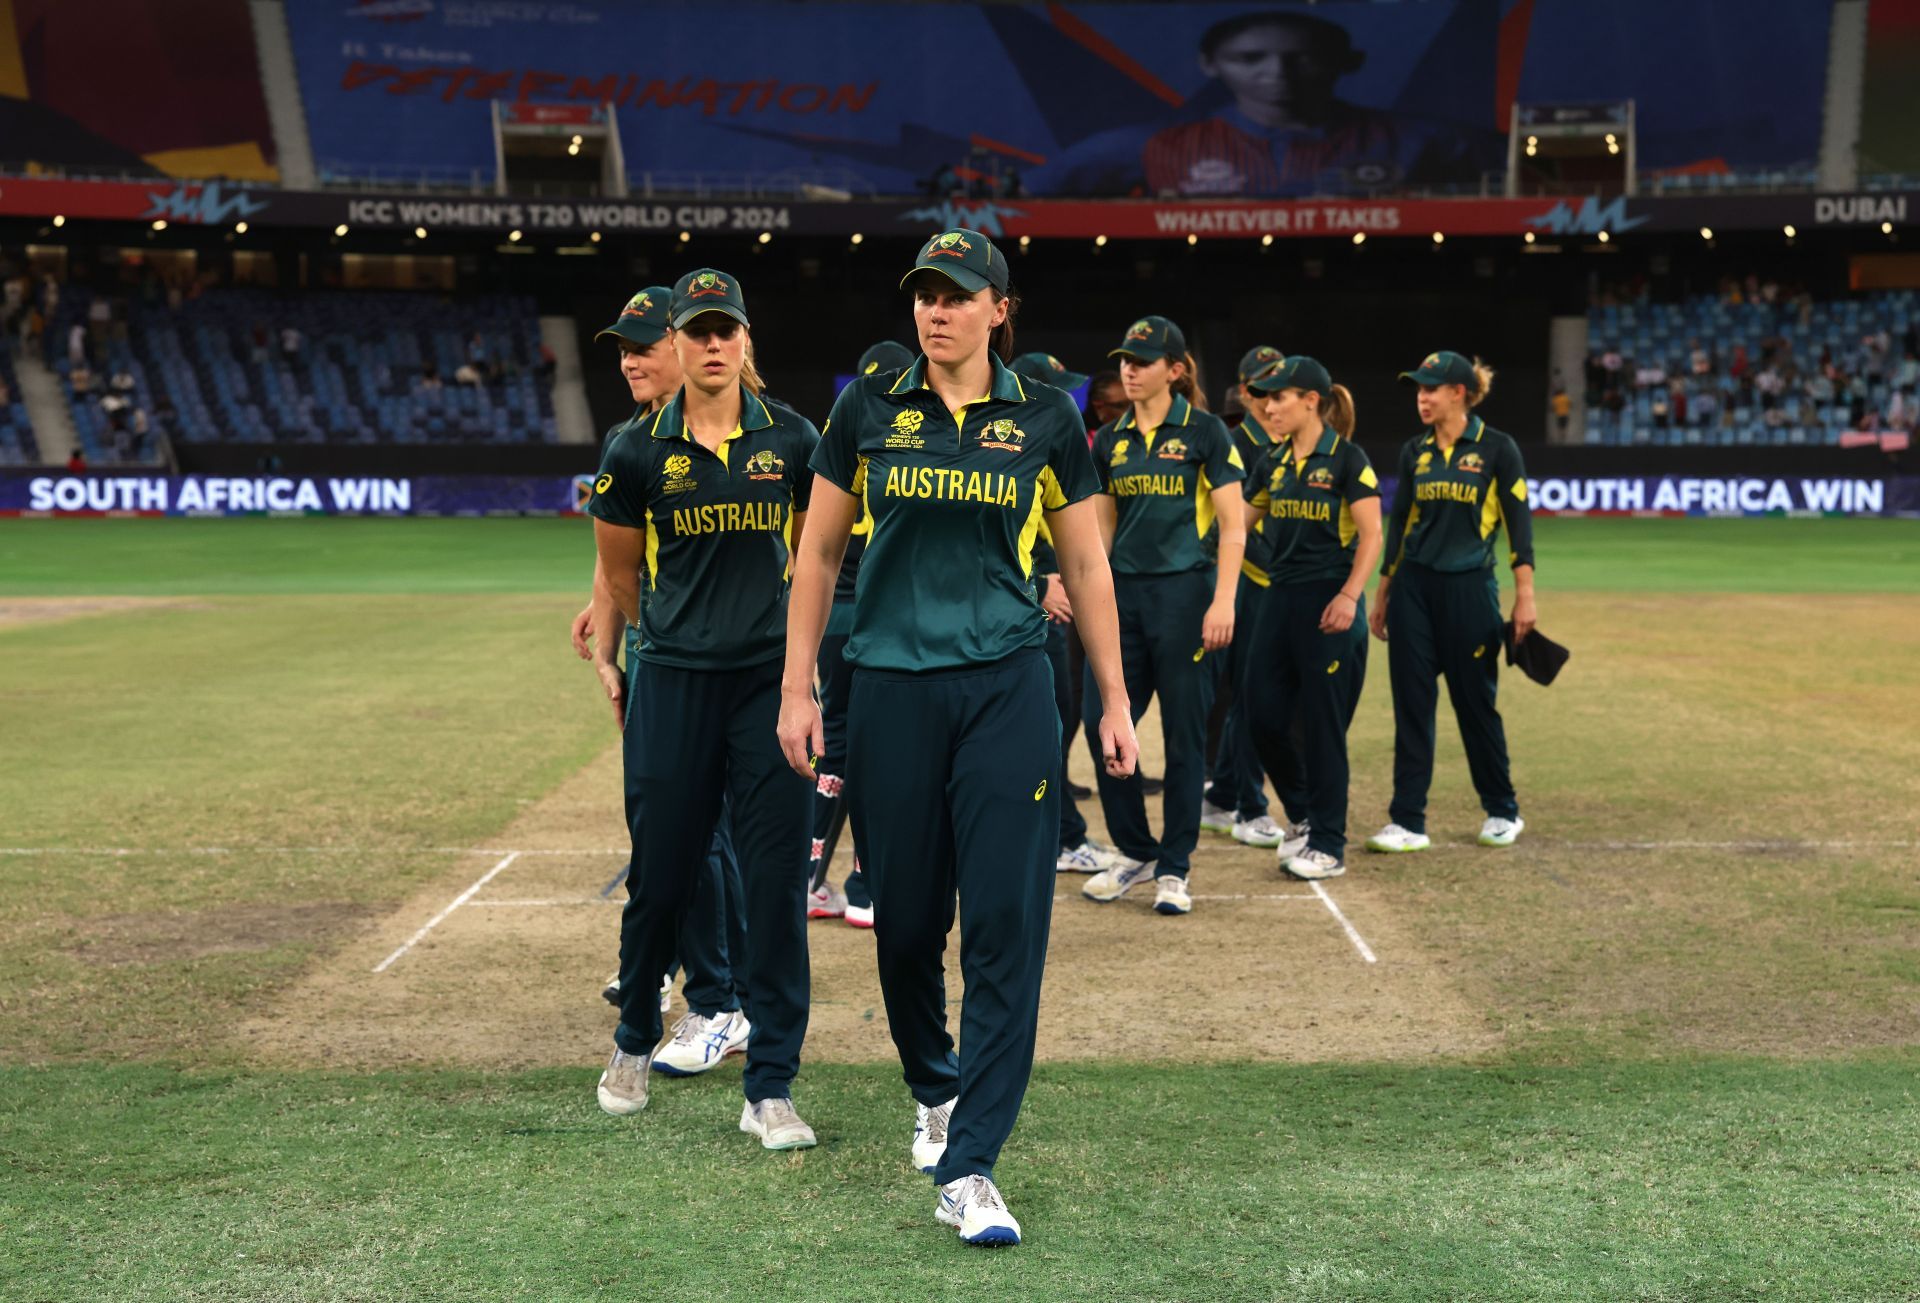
(750, 374)
(1339, 413)
(1188, 385)
(1482, 383)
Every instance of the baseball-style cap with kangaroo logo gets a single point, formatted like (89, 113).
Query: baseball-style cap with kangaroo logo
(707, 290)
(1442, 368)
(1047, 369)
(1297, 372)
(1257, 359)
(644, 318)
(1150, 339)
(884, 357)
(967, 258)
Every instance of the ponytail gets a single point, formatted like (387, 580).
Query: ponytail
(1001, 340)
(749, 373)
(1339, 412)
(1188, 385)
(1482, 383)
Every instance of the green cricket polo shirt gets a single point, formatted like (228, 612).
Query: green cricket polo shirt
(718, 529)
(1306, 508)
(1162, 484)
(1251, 440)
(1449, 505)
(956, 501)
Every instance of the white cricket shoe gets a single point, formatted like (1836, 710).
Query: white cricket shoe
(777, 1125)
(1112, 883)
(1395, 840)
(1260, 831)
(611, 992)
(1311, 865)
(1214, 818)
(973, 1206)
(1501, 832)
(1294, 840)
(699, 1042)
(930, 1134)
(826, 901)
(623, 1086)
(1170, 895)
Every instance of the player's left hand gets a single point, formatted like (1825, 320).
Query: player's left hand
(1216, 627)
(1338, 617)
(1524, 619)
(1119, 748)
(1056, 603)
(582, 627)
(616, 689)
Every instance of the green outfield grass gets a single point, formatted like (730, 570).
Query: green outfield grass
(1701, 1086)
(316, 555)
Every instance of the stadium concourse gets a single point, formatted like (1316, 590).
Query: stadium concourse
(314, 856)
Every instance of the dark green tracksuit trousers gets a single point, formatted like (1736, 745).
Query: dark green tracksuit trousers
(714, 931)
(1295, 673)
(1073, 825)
(1439, 623)
(1160, 653)
(1235, 780)
(700, 738)
(954, 781)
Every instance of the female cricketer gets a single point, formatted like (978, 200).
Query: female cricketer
(952, 734)
(1320, 503)
(1168, 470)
(707, 501)
(711, 935)
(1459, 482)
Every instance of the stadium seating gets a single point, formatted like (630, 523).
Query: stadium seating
(17, 444)
(1663, 334)
(213, 370)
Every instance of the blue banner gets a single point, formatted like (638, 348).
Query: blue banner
(1010, 100)
(61, 494)
(1715, 495)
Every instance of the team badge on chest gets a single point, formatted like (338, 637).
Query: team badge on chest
(679, 474)
(1004, 435)
(1172, 450)
(906, 430)
(764, 465)
(1471, 464)
(1320, 477)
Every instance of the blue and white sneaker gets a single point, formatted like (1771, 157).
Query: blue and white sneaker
(930, 1134)
(1114, 882)
(699, 1043)
(1215, 818)
(973, 1206)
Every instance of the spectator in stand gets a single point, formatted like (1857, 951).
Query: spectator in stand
(99, 319)
(1677, 401)
(1820, 388)
(1562, 410)
(1900, 410)
(547, 364)
(1612, 362)
(80, 376)
(1700, 360)
(1770, 384)
(1660, 408)
(259, 350)
(1737, 368)
(122, 382)
(1876, 346)
(290, 342)
(429, 382)
(1614, 401)
(77, 345)
(76, 462)
(1650, 374)
(1703, 405)
(1857, 394)
(477, 349)
(468, 374)
(1907, 374)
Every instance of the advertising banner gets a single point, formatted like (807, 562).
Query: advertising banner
(62, 494)
(1729, 495)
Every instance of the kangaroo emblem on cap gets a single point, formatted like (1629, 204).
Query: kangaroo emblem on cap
(953, 244)
(707, 283)
(637, 306)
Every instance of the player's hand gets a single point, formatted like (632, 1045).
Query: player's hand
(1377, 615)
(582, 626)
(1119, 749)
(615, 685)
(1524, 618)
(1216, 627)
(1338, 617)
(802, 733)
(1055, 603)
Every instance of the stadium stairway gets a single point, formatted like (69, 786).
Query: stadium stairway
(273, 47)
(572, 418)
(1567, 355)
(1846, 82)
(46, 404)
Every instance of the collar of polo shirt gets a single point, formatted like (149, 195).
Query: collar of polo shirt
(1177, 414)
(1006, 386)
(669, 423)
(1475, 427)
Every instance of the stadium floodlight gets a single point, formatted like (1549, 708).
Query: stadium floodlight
(1192, 239)
(856, 238)
(685, 236)
(159, 223)
(239, 228)
(1266, 241)
(61, 221)
(1528, 237)
(1359, 237)
(1886, 228)
(1788, 230)
(1439, 237)
(1604, 237)
(1026, 241)
(1706, 233)
(419, 232)
(766, 237)
(1099, 241)
(340, 229)
(595, 237)
(514, 235)
(573, 150)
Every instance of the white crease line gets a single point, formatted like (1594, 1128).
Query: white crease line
(437, 919)
(1366, 952)
(533, 904)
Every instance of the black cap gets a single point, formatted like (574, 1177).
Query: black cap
(885, 356)
(706, 290)
(1257, 359)
(1298, 372)
(1150, 339)
(1047, 369)
(644, 319)
(1442, 368)
(1538, 656)
(967, 258)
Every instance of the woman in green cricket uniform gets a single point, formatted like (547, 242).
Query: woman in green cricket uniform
(1319, 501)
(713, 934)
(855, 904)
(1169, 471)
(706, 501)
(1459, 482)
(953, 741)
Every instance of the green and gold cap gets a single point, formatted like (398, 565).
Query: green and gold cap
(644, 319)
(1047, 369)
(1442, 368)
(1150, 339)
(1257, 359)
(885, 356)
(706, 290)
(967, 258)
(1298, 372)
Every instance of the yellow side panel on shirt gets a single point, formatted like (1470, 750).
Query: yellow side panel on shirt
(1046, 489)
(1347, 528)
(1490, 510)
(653, 550)
(1202, 502)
